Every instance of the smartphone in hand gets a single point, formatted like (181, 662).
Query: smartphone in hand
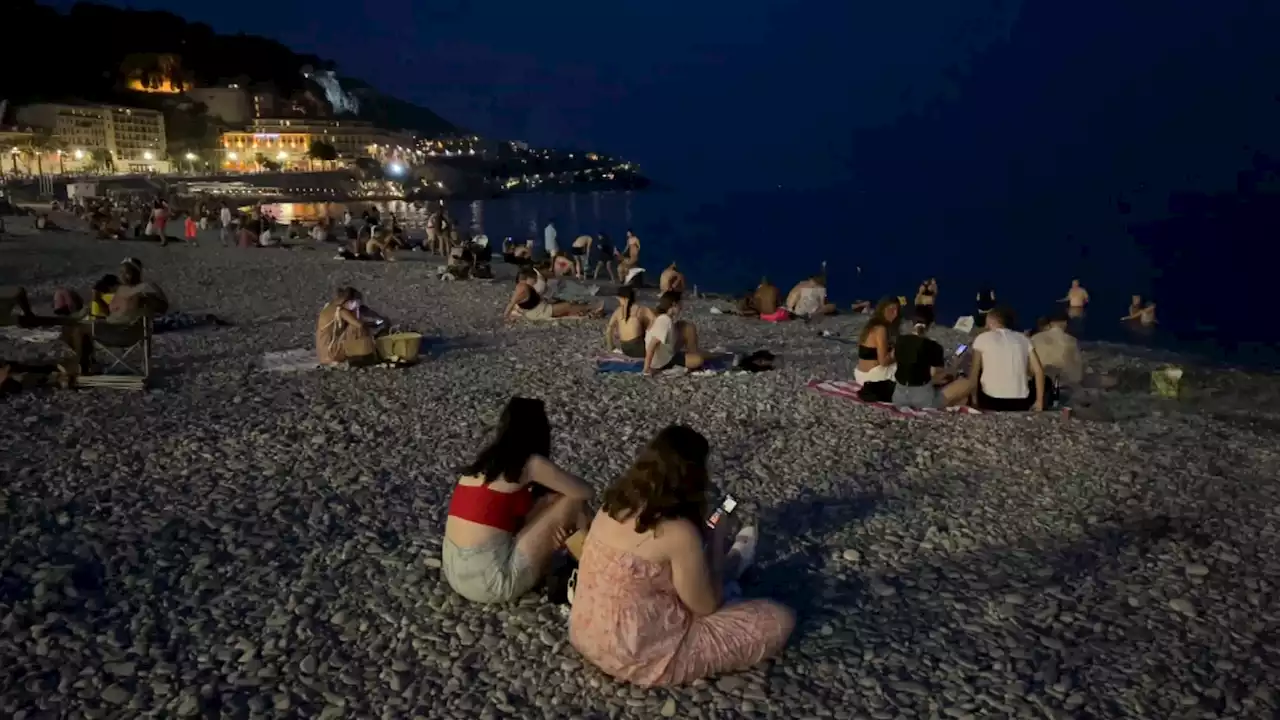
(961, 349)
(726, 508)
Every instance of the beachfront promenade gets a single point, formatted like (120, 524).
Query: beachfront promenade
(241, 544)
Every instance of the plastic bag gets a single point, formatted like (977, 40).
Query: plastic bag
(1167, 382)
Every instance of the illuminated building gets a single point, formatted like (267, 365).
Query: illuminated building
(134, 137)
(162, 86)
(292, 137)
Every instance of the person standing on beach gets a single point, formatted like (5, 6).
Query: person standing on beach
(224, 217)
(581, 255)
(630, 255)
(1077, 298)
(549, 242)
(671, 280)
(606, 254)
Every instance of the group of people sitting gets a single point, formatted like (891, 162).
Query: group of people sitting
(1007, 370)
(806, 301)
(116, 304)
(531, 301)
(650, 604)
(658, 336)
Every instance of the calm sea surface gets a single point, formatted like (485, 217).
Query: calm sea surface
(728, 245)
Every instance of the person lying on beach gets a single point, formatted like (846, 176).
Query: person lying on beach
(649, 605)
(530, 304)
(763, 301)
(516, 254)
(875, 369)
(1002, 361)
(808, 298)
(920, 379)
(341, 335)
(606, 256)
(581, 250)
(628, 323)
(499, 538)
(1144, 314)
(669, 341)
(671, 279)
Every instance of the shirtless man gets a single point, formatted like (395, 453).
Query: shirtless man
(1144, 314)
(764, 301)
(629, 323)
(1077, 298)
(630, 255)
(672, 280)
(581, 250)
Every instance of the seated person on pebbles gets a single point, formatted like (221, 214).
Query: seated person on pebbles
(875, 369)
(921, 381)
(670, 342)
(671, 279)
(628, 323)
(530, 304)
(500, 537)
(131, 300)
(808, 298)
(763, 301)
(648, 607)
(345, 329)
(1002, 360)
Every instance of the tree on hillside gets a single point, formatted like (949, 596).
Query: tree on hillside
(322, 151)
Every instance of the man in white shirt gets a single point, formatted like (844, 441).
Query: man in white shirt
(549, 239)
(669, 341)
(1002, 360)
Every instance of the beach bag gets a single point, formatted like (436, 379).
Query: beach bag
(1166, 382)
(150, 229)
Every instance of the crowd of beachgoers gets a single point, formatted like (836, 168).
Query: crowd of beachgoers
(602, 499)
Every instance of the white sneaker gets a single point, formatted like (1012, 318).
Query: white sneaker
(744, 546)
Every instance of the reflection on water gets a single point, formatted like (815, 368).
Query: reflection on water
(519, 216)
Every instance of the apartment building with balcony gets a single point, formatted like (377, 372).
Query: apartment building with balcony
(133, 137)
(287, 141)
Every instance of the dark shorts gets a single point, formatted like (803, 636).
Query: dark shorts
(990, 404)
(925, 312)
(579, 251)
(881, 391)
(677, 360)
(633, 348)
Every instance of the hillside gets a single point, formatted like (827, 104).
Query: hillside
(159, 49)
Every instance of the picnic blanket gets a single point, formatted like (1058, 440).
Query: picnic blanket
(848, 389)
(621, 364)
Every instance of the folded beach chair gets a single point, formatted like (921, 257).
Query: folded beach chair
(126, 348)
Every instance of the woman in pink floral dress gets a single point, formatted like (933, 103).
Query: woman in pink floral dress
(648, 607)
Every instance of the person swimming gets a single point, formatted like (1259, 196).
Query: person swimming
(1145, 315)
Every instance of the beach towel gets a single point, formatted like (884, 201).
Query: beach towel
(778, 315)
(623, 365)
(848, 390)
(29, 335)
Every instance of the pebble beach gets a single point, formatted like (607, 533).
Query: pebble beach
(234, 543)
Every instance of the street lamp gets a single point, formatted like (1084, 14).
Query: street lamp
(148, 155)
(191, 161)
(79, 154)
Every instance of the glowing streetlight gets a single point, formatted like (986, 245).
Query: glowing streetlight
(232, 156)
(148, 155)
(79, 154)
(282, 155)
(191, 156)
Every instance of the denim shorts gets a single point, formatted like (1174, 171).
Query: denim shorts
(494, 572)
(919, 396)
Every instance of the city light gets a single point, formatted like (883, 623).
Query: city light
(232, 156)
(148, 155)
(191, 156)
(282, 155)
(79, 154)
(395, 168)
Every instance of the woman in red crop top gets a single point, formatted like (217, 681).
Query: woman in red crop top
(499, 540)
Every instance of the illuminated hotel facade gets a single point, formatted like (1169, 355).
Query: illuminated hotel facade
(287, 141)
(134, 137)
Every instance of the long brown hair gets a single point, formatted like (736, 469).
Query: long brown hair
(880, 318)
(668, 481)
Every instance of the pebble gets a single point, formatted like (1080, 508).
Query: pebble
(269, 545)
